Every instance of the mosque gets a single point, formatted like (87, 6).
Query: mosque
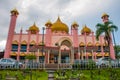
(57, 43)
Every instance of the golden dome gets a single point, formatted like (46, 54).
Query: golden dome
(85, 30)
(34, 28)
(14, 11)
(59, 26)
(48, 23)
(104, 14)
(75, 24)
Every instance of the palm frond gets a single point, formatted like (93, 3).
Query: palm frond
(114, 27)
(99, 25)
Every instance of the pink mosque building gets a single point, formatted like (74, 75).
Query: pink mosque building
(58, 44)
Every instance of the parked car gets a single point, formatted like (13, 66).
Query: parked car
(102, 62)
(9, 62)
(105, 62)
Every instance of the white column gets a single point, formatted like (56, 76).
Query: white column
(38, 52)
(92, 55)
(72, 55)
(48, 56)
(59, 59)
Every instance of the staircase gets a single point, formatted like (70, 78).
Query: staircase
(50, 74)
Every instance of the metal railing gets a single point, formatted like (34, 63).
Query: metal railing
(78, 64)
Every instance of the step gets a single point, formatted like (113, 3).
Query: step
(50, 78)
(50, 74)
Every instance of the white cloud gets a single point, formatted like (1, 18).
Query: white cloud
(2, 45)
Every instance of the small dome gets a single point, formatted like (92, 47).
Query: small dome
(15, 11)
(85, 30)
(104, 14)
(48, 23)
(34, 28)
(59, 26)
(75, 24)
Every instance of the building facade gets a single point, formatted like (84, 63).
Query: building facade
(56, 44)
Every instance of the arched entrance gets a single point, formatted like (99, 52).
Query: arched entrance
(65, 51)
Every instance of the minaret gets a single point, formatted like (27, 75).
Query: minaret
(105, 18)
(48, 33)
(74, 28)
(14, 14)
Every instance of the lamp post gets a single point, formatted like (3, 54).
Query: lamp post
(43, 28)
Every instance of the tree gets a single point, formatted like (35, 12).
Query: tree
(106, 28)
(30, 56)
(117, 50)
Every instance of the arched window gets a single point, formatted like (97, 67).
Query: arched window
(23, 46)
(14, 46)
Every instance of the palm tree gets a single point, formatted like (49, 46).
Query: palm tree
(106, 29)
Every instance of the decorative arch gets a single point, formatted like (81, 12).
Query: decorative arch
(89, 44)
(41, 43)
(81, 44)
(32, 42)
(97, 44)
(65, 41)
(106, 54)
(99, 54)
(105, 44)
(15, 42)
(24, 42)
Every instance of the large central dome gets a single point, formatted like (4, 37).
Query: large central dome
(59, 26)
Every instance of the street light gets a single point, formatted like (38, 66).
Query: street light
(43, 28)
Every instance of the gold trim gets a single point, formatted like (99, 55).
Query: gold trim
(15, 42)
(32, 42)
(24, 42)
(90, 54)
(82, 44)
(106, 54)
(13, 54)
(22, 54)
(89, 44)
(99, 54)
(97, 44)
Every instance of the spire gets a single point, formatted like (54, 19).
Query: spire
(34, 24)
(58, 20)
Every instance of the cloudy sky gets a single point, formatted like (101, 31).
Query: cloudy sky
(40, 11)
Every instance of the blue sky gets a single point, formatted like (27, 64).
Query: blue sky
(40, 11)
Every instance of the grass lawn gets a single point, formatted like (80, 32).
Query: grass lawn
(97, 74)
(25, 74)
